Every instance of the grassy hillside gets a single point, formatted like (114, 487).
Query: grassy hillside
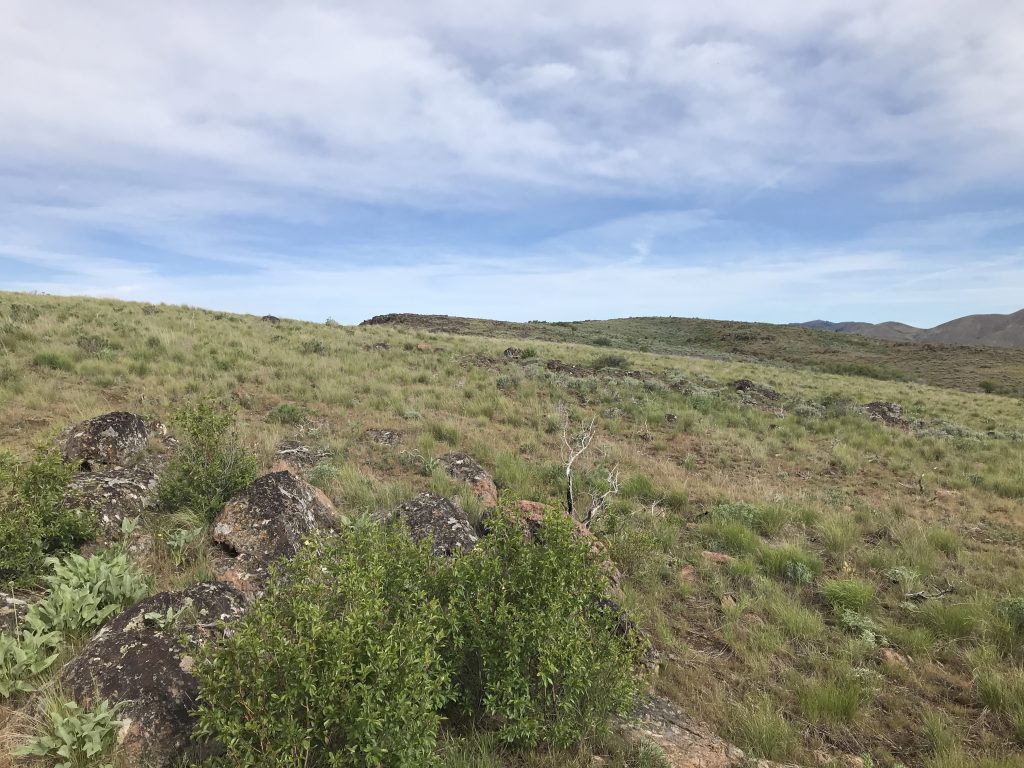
(804, 644)
(943, 365)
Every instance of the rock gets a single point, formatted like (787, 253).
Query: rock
(718, 557)
(748, 387)
(429, 516)
(688, 573)
(461, 467)
(892, 657)
(685, 743)
(671, 418)
(113, 439)
(267, 521)
(384, 436)
(379, 346)
(295, 457)
(530, 507)
(111, 495)
(425, 347)
(514, 353)
(147, 666)
(888, 413)
(273, 320)
(12, 613)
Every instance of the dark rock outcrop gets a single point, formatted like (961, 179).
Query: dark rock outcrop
(272, 319)
(442, 521)
(113, 439)
(267, 521)
(466, 469)
(888, 413)
(111, 495)
(146, 662)
(750, 388)
(514, 353)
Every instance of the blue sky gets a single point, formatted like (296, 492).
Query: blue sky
(778, 161)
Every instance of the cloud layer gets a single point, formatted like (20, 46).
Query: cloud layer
(174, 148)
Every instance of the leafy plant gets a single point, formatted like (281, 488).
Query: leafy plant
(790, 562)
(75, 737)
(288, 413)
(178, 542)
(24, 657)
(210, 464)
(542, 654)
(35, 518)
(338, 665)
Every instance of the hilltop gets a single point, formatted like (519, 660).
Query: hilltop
(945, 365)
(980, 330)
(827, 565)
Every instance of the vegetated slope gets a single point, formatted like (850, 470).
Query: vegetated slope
(813, 579)
(981, 330)
(961, 367)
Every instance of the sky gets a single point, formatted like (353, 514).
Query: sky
(779, 160)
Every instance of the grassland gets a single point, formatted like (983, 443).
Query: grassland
(804, 646)
(943, 365)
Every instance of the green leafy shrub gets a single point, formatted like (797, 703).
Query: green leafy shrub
(790, 562)
(34, 520)
(288, 413)
(541, 655)
(848, 594)
(209, 466)
(75, 737)
(82, 594)
(313, 347)
(338, 665)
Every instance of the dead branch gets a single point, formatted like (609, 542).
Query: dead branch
(920, 597)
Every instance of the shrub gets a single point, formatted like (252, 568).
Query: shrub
(338, 665)
(789, 562)
(74, 736)
(54, 361)
(848, 594)
(313, 347)
(34, 520)
(288, 413)
(542, 655)
(209, 466)
(610, 360)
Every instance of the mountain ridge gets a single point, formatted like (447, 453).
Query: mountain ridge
(986, 330)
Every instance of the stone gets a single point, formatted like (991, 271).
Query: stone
(113, 439)
(671, 418)
(111, 495)
(892, 657)
(464, 468)
(379, 436)
(425, 347)
(297, 457)
(272, 319)
(440, 520)
(139, 661)
(269, 520)
(688, 573)
(684, 742)
(530, 507)
(887, 413)
(12, 613)
(514, 353)
(748, 387)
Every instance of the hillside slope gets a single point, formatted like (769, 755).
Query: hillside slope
(961, 367)
(978, 330)
(828, 565)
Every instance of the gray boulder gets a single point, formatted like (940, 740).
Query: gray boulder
(439, 520)
(146, 662)
(113, 439)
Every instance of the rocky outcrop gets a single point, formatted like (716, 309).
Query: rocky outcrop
(751, 389)
(684, 742)
(113, 439)
(380, 436)
(111, 495)
(297, 457)
(887, 413)
(144, 658)
(434, 518)
(267, 521)
(466, 469)
(13, 610)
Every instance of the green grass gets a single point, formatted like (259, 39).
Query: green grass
(806, 492)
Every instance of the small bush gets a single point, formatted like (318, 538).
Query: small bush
(54, 361)
(338, 665)
(313, 347)
(848, 594)
(209, 466)
(288, 413)
(542, 655)
(789, 562)
(34, 519)
(74, 737)
(610, 360)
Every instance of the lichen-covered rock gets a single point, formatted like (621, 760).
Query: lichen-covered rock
(111, 495)
(146, 662)
(383, 436)
(748, 387)
(12, 613)
(888, 413)
(113, 439)
(442, 521)
(684, 742)
(265, 522)
(466, 469)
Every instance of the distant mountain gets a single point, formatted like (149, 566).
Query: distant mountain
(972, 330)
